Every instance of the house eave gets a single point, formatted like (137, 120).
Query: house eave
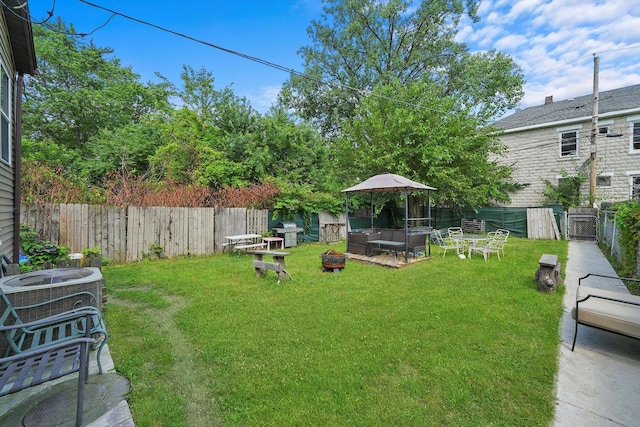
(571, 121)
(21, 36)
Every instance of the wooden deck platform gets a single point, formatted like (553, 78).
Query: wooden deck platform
(387, 259)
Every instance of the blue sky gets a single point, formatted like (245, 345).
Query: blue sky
(552, 40)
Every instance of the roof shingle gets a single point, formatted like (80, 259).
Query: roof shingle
(608, 101)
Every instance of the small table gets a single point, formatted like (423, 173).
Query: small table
(473, 240)
(277, 265)
(268, 241)
(393, 245)
(242, 241)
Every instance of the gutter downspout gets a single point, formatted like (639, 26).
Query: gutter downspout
(17, 169)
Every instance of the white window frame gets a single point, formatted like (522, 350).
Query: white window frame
(634, 124)
(604, 125)
(566, 130)
(559, 178)
(6, 115)
(605, 175)
(633, 175)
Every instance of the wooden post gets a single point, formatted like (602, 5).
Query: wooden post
(260, 272)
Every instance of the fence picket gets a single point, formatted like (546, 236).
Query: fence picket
(125, 234)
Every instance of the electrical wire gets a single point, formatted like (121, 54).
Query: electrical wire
(22, 6)
(269, 63)
(263, 61)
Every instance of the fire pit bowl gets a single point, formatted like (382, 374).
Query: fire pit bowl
(333, 260)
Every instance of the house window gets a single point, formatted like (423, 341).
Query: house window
(635, 187)
(635, 137)
(569, 144)
(603, 181)
(5, 116)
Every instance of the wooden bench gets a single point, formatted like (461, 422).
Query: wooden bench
(609, 310)
(49, 362)
(261, 267)
(249, 246)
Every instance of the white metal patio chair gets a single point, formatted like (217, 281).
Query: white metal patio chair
(502, 235)
(448, 243)
(491, 245)
(455, 232)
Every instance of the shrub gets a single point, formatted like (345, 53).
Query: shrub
(628, 222)
(40, 252)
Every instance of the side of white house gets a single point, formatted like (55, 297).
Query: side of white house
(551, 150)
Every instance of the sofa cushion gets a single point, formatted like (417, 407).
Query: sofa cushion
(386, 234)
(398, 236)
(615, 316)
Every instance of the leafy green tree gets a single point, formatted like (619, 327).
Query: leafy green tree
(360, 44)
(294, 150)
(188, 147)
(223, 109)
(126, 150)
(447, 151)
(80, 90)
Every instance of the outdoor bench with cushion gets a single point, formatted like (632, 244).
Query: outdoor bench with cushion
(358, 240)
(609, 310)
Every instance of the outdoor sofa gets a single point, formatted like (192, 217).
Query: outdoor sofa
(609, 310)
(357, 243)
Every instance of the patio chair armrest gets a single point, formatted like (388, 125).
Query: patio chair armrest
(43, 350)
(48, 321)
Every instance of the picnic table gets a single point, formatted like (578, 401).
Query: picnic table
(277, 265)
(242, 241)
(269, 240)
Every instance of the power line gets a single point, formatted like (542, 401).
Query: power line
(22, 6)
(263, 61)
(260, 60)
(585, 56)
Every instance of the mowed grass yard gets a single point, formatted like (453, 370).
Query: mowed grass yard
(443, 342)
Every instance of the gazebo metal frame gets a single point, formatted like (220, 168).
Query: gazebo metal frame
(389, 182)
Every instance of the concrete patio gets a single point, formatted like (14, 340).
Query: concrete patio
(108, 409)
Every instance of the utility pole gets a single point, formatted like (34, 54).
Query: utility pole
(594, 133)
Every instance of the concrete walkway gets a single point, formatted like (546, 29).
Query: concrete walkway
(598, 384)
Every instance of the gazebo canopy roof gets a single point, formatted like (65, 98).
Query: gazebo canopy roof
(387, 182)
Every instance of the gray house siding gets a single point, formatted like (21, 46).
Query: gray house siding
(7, 212)
(17, 57)
(533, 139)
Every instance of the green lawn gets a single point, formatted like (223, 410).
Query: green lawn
(443, 342)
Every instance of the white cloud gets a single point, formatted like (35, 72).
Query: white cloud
(553, 41)
(510, 42)
(266, 97)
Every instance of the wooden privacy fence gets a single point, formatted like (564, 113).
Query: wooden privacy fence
(131, 233)
(541, 224)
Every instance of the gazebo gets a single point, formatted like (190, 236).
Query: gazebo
(389, 182)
